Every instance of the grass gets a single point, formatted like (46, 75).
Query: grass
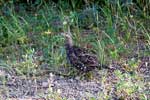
(29, 40)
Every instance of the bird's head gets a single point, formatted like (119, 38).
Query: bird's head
(66, 35)
(68, 38)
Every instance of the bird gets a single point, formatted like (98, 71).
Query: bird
(80, 58)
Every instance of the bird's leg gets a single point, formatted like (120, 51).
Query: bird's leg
(83, 75)
(72, 72)
(87, 76)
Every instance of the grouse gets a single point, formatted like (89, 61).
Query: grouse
(80, 58)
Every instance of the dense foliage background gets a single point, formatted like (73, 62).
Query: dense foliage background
(118, 31)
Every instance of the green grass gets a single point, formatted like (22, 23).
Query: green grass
(23, 34)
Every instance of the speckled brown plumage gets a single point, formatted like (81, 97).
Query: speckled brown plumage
(78, 57)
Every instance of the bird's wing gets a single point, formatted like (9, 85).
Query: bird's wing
(79, 51)
(86, 57)
(75, 61)
(89, 60)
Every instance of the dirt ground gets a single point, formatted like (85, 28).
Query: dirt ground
(56, 87)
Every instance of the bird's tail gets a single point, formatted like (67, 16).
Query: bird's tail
(102, 66)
